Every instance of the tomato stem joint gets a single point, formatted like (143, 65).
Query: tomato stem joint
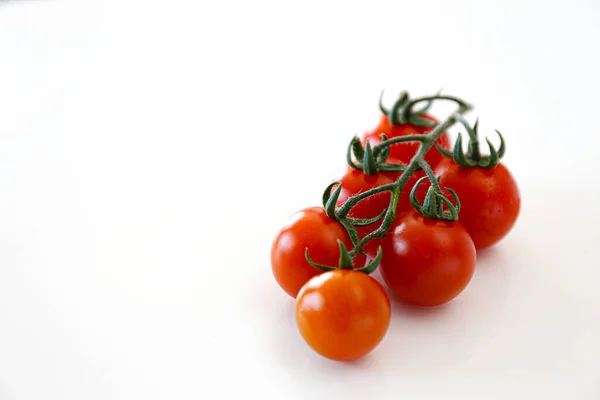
(369, 159)
(401, 112)
(345, 261)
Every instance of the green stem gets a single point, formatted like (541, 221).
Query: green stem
(473, 150)
(426, 142)
(458, 101)
(399, 139)
(343, 211)
(434, 182)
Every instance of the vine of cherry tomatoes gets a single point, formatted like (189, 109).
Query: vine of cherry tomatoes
(411, 204)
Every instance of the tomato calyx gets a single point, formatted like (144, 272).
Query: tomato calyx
(372, 160)
(346, 261)
(433, 205)
(473, 158)
(400, 113)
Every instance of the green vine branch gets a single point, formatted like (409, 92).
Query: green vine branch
(434, 200)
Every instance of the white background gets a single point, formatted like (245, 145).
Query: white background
(150, 150)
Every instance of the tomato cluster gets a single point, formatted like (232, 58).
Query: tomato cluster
(424, 243)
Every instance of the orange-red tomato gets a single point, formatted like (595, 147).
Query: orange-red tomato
(427, 262)
(490, 200)
(404, 152)
(343, 314)
(310, 228)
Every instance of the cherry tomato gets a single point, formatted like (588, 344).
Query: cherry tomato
(427, 262)
(354, 182)
(343, 314)
(490, 200)
(404, 152)
(310, 228)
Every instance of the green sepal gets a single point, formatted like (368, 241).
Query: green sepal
(383, 155)
(322, 267)
(372, 266)
(349, 160)
(331, 202)
(369, 161)
(432, 205)
(381, 107)
(413, 195)
(473, 152)
(365, 221)
(456, 199)
(492, 160)
(327, 193)
(357, 149)
(472, 131)
(345, 259)
(398, 108)
(459, 156)
(502, 148)
(473, 157)
(445, 152)
(451, 214)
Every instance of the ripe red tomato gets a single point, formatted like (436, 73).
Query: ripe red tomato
(427, 262)
(343, 314)
(354, 182)
(489, 197)
(310, 228)
(404, 152)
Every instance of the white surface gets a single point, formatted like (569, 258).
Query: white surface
(150, 150)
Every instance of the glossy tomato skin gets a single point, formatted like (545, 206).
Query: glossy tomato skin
(490, 200)
(427, 262)
(404, 152)
(310, 228)
(354, 182)
(343, 314)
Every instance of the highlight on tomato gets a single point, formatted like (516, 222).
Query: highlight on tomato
(342, 314)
